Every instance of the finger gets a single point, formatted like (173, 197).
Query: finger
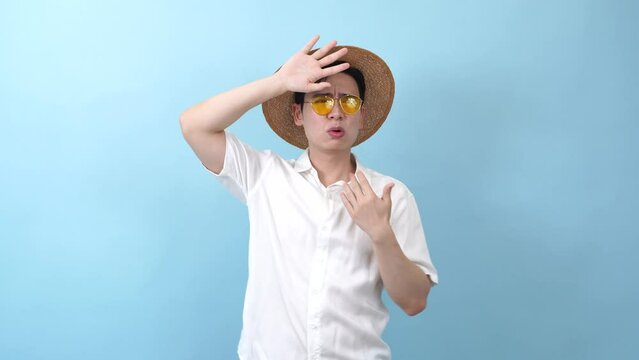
(387, 191)
(357, 188)
(363, 182)
(334, 69)
(310, 44)
(350, 194)
(329, 59)
(317, 86)
(324, 50)
(347, 204)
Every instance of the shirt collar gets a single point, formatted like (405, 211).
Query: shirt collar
(303, 163)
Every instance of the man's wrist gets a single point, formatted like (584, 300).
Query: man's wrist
(382, 234)
(279, 83)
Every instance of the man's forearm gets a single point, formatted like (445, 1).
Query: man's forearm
(220, 111)
(404, 281)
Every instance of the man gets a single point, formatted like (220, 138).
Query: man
(327, 234)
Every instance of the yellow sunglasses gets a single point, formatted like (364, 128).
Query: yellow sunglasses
(323, 104)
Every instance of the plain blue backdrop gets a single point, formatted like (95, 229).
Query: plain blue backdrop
(514, 124)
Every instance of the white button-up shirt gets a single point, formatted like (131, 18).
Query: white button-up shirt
(314, 289)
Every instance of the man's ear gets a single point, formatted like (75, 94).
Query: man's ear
(362, 117)
(296, 110)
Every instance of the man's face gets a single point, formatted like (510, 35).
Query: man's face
(336, 130)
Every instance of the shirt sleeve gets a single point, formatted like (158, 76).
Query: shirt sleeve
(408, 229)
(243, 167)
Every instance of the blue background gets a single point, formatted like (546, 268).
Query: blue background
(514, 124)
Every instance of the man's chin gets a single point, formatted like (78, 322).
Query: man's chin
(338, 147)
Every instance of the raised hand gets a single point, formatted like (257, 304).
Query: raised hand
(370, 213)
(302, 70)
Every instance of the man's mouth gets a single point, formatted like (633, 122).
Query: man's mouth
(336, 132)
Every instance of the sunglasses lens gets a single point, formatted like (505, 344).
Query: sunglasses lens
(322, 105)
(350, 103)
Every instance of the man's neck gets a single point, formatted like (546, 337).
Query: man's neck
(332, 166)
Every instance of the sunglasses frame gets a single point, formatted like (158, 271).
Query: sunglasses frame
(338, 100)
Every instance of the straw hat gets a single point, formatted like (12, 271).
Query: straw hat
(380, 89)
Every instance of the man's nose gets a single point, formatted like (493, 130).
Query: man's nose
(336, 112)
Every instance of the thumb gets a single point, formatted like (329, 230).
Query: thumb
(387, 191)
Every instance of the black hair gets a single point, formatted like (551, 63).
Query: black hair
(352, 72)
